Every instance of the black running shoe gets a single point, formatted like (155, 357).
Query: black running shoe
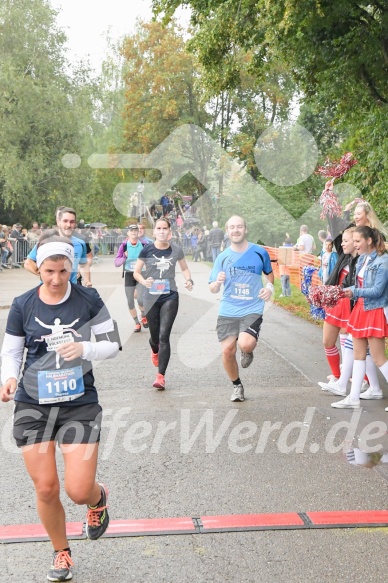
(60, 570)
(97, 518)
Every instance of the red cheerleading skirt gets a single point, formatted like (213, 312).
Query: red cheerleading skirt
(339, 314)
(366, 324)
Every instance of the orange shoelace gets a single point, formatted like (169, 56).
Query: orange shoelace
(93, 515)
(63, 560)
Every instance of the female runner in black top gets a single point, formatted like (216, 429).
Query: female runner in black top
(161, 297)
(55, 398)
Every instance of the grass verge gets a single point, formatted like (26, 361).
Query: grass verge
(296, 303)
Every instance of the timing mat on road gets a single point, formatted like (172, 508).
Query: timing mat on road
(19, 533)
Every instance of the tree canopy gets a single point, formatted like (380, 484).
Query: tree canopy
(336, 53)
(241, 69)
(38, 125)
(343, 43)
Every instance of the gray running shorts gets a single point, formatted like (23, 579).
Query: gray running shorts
(233, 326)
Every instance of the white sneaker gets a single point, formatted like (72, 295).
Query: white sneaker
(364, 386)
(371, 394)
(334, 388)
(346, 404)
(331, 377)
(238, 393)
(386, 408)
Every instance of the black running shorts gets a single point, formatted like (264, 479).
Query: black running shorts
(67, 425)
(129, 280)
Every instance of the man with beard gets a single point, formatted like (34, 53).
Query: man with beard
(67, 222)
(239, 269)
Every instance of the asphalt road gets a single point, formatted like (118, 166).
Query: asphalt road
(189, 451)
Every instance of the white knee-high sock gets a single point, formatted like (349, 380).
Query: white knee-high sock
(384, 370)
(342, 343)
(357, 378)
(347, 363)
(371, 373)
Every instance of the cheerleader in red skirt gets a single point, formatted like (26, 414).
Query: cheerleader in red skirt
(336, 319)
(368, 322)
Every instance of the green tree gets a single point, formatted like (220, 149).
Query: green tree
(161, 90)
(343, 44)
(40, 107)
(165, 87)
(162, 93)
(337, 53)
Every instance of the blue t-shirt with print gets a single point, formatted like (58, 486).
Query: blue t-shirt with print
(79, 256)
(243, 280)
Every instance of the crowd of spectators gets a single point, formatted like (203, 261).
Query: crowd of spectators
(201, 243)
(17, 241)
(306, 245)
(198, 242)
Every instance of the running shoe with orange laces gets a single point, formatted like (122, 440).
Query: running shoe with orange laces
(97, 518)
(137, 328)
(155, 358)
(159, 383)
(60, 569)
(144, 321)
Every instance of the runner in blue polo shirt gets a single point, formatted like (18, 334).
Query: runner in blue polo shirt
(239, 268)
(66, 222)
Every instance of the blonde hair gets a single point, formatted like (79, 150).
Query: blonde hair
(374, 221)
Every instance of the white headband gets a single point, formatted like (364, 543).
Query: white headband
(50, 249)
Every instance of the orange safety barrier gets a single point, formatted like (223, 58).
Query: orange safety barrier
(298, 261)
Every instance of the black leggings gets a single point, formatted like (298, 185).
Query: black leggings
(161, 317)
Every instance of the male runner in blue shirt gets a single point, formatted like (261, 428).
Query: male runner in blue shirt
(67, 222)
(239, 268)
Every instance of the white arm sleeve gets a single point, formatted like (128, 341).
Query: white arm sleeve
(104, 327)
(101, 350)
(11, 357)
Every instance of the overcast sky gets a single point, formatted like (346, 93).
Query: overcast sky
(86, 23)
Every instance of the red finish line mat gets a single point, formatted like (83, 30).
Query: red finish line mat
(207, 524)
(356, 518)
(152, 526)
(235, 522)
(75, 530)
(35, 532)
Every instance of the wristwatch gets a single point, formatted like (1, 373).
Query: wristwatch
(190, 280)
